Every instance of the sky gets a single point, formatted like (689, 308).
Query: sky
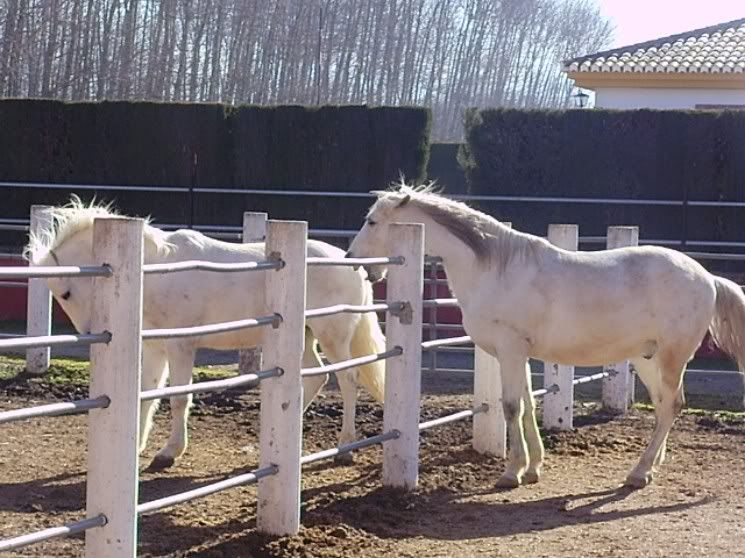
(641, 20)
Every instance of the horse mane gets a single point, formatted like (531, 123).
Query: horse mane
(77, 216)
(485, 236)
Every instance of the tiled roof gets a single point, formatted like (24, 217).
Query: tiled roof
(716, 49)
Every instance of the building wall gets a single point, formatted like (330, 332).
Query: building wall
(665, 98)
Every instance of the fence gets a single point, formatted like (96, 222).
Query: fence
(114, 403)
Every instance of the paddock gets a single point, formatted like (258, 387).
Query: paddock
(466, 469)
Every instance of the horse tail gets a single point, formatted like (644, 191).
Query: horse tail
(728, 325)
(368, 339)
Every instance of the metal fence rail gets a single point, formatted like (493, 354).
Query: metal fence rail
(52, 533)
(210, 386)
(350, 447)
(196, 331)
(446, 342)
(351, 363)
(447, 419)
(55, 409)
(201, 492)
(394, 307)
(197, 265)
(68, 340)
(55, 271)
(392, 260)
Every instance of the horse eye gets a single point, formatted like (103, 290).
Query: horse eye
(371, 222)
(65, 295)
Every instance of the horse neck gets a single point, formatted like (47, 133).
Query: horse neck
(458, 259)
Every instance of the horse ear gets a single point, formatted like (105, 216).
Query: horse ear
(404, 200)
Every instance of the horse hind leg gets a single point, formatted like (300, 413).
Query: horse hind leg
(649, 373)
(181, 359)
(339, 349)
(154, 375)
(664, 379)
(312, 385)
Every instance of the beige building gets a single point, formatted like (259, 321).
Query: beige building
(699, 69)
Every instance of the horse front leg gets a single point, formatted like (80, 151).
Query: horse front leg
(513, 388)
(532, 435)
(181, 359)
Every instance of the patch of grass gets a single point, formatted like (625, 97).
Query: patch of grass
(76, 371)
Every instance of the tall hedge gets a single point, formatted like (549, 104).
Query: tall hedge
(444, 167)
(205, 146)
(640, 154)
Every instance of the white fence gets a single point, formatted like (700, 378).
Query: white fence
(112, 506)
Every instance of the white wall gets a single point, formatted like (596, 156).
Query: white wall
(634, 98)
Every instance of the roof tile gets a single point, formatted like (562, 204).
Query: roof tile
(716, 49)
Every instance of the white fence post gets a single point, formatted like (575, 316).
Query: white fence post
(254, 230)
(403, 373)
(39, 301)
(489, 428)
(115, 372)
(618, 387)
(558, 406)
(280, 437)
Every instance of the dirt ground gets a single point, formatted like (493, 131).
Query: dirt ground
(695, 506)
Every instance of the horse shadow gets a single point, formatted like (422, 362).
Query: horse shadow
(443, 514)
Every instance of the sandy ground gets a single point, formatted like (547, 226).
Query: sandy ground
(696, 505)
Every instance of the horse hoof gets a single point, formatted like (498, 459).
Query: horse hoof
(508, 481)
(531, 477)
(636, 482)
(161, 462)
(344, 459)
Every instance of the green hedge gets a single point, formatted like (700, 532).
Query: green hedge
(641, 154)
(209, 145)
(444, 167)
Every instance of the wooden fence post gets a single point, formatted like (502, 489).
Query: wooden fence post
(403, 373)
(254, 230)
(115, 372)
(280, 437)
(38, 301)
(618, 387)
(489, 428)
(558, 406)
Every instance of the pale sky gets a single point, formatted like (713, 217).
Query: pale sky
(641, 20)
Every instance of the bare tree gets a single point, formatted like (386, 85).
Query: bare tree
(446, 54)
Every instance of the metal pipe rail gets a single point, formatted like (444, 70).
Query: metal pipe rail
(33, 272)
(585, 379)
(55, 409)
(440, 302)
(210, 386)
(211, 329)
(54, 341)
(53, 533)
(460, 415)
(351, 363)
(448, 341)
(392, 260)
(12, 284)
(394, 307)
(350, 447)
(202, 491)
(198, 265)
(541, 392)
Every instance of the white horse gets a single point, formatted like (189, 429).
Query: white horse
(199, 297)
(522, 297)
